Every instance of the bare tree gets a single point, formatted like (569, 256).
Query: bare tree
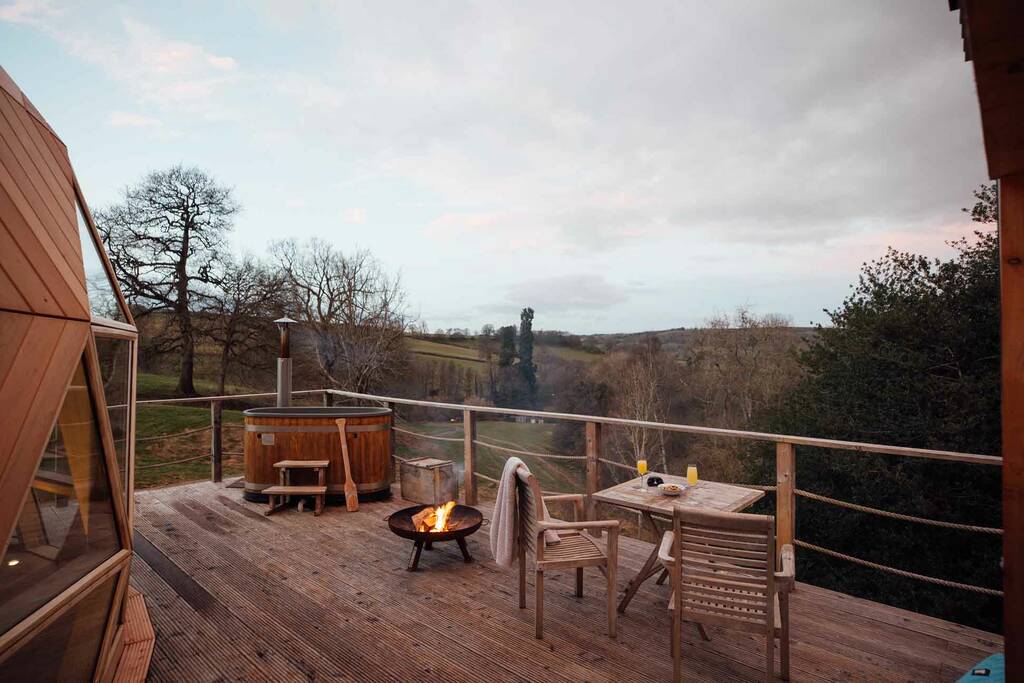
(355, 310)
(166, 242)
(239, 313)
(643, 380)
(740, 364)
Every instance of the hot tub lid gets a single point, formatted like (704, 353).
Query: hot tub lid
(318, 411)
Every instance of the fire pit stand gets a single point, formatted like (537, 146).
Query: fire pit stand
(463, 521)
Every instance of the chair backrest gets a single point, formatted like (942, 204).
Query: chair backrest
(727, 567)
(528, 508)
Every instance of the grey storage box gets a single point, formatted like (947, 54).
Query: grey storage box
(429, 480)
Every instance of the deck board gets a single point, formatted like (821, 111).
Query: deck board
(297, 597)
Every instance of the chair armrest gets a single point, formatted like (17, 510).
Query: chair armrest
(665, 556)
(786, 577)
(556, 497)
(572, 526)
(575, 498)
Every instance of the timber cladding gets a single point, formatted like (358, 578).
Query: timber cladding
(271, 438)
(64, 521)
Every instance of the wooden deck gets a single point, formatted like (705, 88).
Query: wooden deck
(234, 595)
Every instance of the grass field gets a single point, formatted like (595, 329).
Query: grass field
(151, 385)
(554, 475)
(156, 420)
(464, 353)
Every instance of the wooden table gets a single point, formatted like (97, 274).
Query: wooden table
(706, 494)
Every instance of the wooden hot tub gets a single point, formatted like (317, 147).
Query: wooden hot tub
(310, 433)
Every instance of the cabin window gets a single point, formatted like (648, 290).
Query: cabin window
(69, 648)
(103, 301)
(67, 525)
(115, 360)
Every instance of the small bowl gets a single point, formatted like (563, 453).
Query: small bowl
(670, 489)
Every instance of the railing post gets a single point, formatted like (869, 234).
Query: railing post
(216, 445)
(393, 407)
(469, 454)
(593, 470)
(328, 399)
(785, 496)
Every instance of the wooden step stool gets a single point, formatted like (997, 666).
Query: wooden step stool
(279, 496)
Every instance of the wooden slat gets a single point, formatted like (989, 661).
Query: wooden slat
(705, 548)
(51, 158)
(1011, 248)
(702, 536)
(31, 162)
(705, 495)
(139, 639)
(295, 597)
(8, 85)
(302, 464)
(10, 296)
(725, 560)
(65, 285)
(295, 490)
(52, 140)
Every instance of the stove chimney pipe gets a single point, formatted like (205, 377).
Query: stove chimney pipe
(284, 364)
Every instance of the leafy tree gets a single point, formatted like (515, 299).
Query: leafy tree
(912, 359)
(986, 206)
(527, 368)
(166, 240)
(507, 346)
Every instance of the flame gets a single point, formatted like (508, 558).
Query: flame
(443, 512)
(432, 519)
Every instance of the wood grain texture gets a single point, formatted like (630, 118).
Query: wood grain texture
(994, 37)
(785, 493)
(469, 456)
(711, 495)
(139, 640)
(858, 446)
(38, 213)
(297, 598)
(369, 451)
(1011, 257)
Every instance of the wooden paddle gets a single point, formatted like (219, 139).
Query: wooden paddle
(351, 495)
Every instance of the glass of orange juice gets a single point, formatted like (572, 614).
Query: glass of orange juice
(641, 467)
(691, 475)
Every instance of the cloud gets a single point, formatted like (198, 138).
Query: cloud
(176, 75)
(120, 119)
(708, 149)
(560, 294)
(811, 128)
(30, 12)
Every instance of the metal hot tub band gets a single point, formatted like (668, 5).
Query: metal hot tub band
(317, 428)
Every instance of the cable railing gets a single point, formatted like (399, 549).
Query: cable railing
(784, 488)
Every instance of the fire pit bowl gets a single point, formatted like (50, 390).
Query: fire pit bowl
(462, 522)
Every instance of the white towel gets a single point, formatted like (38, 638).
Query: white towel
(504, 532)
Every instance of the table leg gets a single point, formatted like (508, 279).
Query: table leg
(649, 569)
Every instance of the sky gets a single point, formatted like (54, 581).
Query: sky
(618, 166)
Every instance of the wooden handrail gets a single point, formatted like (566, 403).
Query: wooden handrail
(230, 397)
(815, 442)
